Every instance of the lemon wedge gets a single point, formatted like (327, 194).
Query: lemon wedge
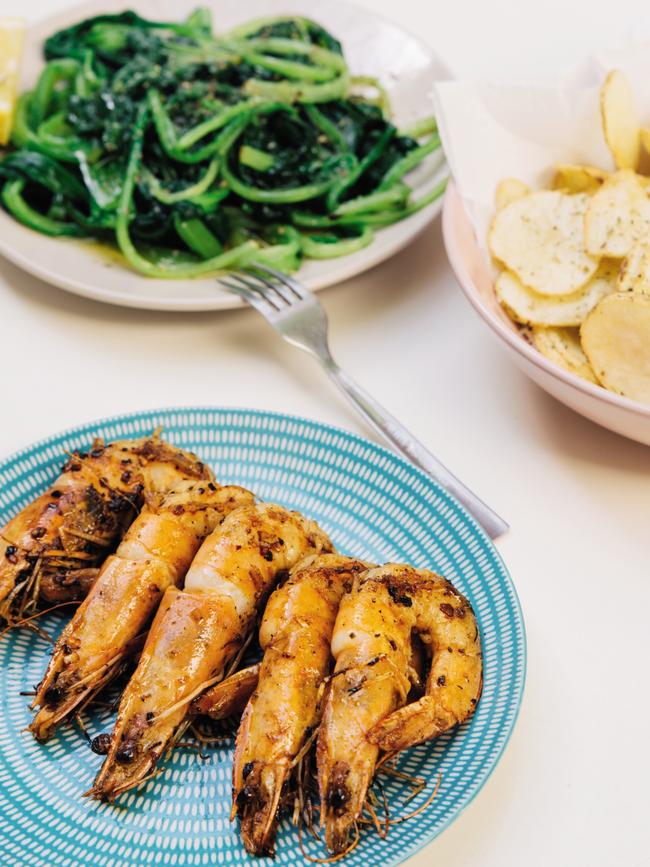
(12, 35)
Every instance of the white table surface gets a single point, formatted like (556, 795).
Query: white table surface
(572, 787)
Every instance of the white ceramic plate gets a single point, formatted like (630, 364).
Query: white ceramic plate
(373, 46)
(620, 414)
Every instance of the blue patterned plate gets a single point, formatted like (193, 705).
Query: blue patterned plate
(376, 507)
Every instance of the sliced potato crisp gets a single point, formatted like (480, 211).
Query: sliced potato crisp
(575, 259)
(562, 346)
(509, 190)
(620, 120)
(616, 340)
(540, 238)
(531, 308)
(618, 215)
(634, 275)
(570, 178)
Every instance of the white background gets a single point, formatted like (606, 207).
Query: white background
(572, 786)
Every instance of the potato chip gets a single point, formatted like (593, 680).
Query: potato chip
(540, 237)
(617, 216)
(509, 190)
(616, 340)
(634, 275)
(620, 120)
(570, 178)
(531, 308)
(562, 346)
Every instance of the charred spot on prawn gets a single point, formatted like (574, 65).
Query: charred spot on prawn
(54, 695)
(337, 797)
(116, 502)
(128, 748)
(11, 553)
(398, 597)
(126, 754)
(338, 792)
(269, 545)
(247, 795)
(62, 586)
(250, 798)
(101, 744)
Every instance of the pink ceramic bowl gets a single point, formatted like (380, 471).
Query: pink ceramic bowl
(624, 416)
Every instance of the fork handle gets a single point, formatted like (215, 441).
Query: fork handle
(404, 442)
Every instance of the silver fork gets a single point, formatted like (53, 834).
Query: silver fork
(300, 318)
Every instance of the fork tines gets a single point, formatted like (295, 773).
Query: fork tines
(259, 284)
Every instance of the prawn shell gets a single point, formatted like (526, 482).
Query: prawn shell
(371, 643)
(286, 707)
(154, 555)
(366, 710)
(198, 630)
(47, 549)
(445, 621)
(191, 637)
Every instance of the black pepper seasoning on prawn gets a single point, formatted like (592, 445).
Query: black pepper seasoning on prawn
(198, 631)
(109, 625)
(50, 551)
(366, 711)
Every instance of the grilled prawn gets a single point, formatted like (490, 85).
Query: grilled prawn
(107, 627)
(365, 709)
(445, 622)
(52, 548)
(197, 631)
(285, 708)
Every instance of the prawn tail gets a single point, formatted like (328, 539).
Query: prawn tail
(230, 697)
(416, 722)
